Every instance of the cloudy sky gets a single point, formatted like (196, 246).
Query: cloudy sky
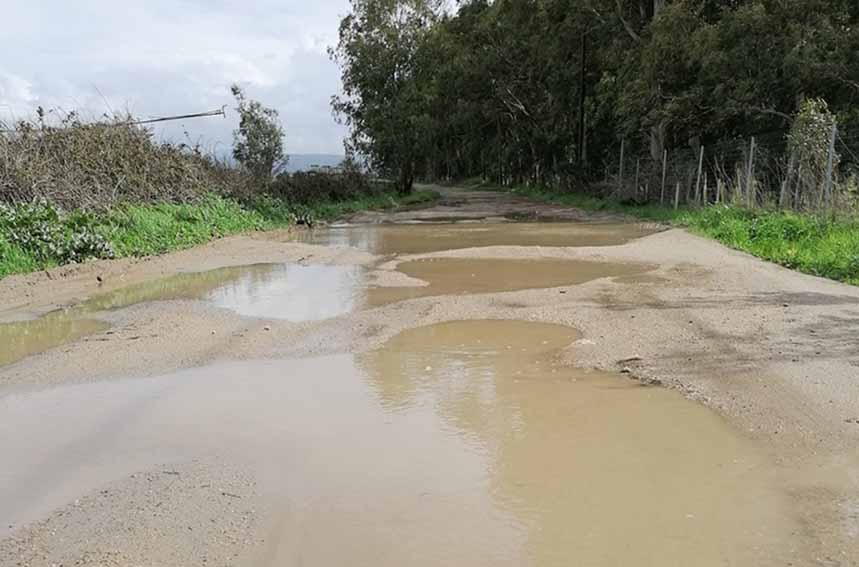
(163, 57)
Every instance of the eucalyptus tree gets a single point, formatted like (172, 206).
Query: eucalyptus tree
(386, 67)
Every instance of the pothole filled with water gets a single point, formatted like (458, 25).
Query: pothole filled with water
(292, 292)
(455, 276)
(463, 443)
(297, 292)
(425, 238)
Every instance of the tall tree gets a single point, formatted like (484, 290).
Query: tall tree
(258, 142)
(386, 66)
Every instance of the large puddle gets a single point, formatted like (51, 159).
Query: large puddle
(454, 276)
(426, 238)
(463, 443)
(281, 291)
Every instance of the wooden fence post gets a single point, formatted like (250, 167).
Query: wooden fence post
(830, 161)
(620, 174)
(698, 182)
(750, 172)
(664, 171)
(786, 183)
(635, 187)
(677, 196)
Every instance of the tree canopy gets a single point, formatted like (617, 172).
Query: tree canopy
(545, 89)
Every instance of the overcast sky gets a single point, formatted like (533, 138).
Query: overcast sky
(162, 57)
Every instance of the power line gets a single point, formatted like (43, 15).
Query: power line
(219, 112)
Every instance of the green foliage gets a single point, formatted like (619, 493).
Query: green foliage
(820, 246)
(814, 244)
(142, 230)
(809, 141)
(493, 89)
(39, 236)
(309, 187)
(386, 65)
(40, 231)
(258, 142)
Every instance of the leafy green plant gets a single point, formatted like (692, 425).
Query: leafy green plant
(41, 230)
(258, 142)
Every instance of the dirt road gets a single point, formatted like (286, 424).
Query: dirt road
(251, 396)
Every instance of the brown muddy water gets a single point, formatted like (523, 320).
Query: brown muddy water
(273, 291)
(464, 443)
(455, 276)
(21, 339)
(387, 239)
(314, 292)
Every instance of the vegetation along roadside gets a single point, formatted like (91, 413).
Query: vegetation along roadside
(823, 245)
(72, 190)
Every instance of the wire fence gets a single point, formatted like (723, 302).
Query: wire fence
(761, 171)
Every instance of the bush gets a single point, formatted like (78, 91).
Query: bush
(305, 188)
(41, 231)
(95, 166)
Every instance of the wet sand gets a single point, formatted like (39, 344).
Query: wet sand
(763, 363)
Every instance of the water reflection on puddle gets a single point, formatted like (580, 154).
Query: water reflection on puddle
(23, 338)
(292, 292)
(452, 276)
(464, 443)
(278, 291)
(314, 292)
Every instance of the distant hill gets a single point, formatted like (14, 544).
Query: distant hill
(303, 162)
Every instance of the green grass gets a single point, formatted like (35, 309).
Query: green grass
(813, 244)
(39, 236)
(809, 243)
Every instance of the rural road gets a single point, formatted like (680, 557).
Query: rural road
(244, 402)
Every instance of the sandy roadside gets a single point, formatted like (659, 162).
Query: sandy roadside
(773, 351)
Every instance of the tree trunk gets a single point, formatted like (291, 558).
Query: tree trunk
(407, 177)
(657, 141)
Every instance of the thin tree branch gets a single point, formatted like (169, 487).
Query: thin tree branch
(626, 25)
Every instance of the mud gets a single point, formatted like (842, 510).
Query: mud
(541, 462)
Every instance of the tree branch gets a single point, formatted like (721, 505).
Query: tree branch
(626, 25)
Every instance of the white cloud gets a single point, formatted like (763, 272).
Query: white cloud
(164, 57)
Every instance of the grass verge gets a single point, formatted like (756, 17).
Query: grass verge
(40, 236)
(813, 244)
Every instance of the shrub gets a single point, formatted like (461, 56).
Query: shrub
(97, 165)
(258, 142)
(42, 231)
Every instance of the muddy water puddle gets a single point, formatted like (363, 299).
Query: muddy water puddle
(464, 443)
(456, 276)
(20, 339)
(293, 292)
(314, 292)
(426, 238)
(279, 291)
